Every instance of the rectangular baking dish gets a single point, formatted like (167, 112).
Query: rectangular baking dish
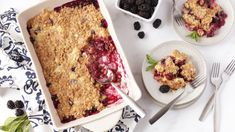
(134, 90)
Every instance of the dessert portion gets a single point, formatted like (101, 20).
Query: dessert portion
(204, 17)
(175, 71)
(75, 49)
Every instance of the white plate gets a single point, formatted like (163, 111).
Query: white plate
(163, 51)
(220, 34)
(134, 90)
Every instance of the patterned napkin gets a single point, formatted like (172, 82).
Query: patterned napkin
(16, 72)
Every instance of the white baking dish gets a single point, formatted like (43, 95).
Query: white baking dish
(134, 90)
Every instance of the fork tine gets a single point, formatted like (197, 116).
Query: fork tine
(199, 79)
(218, 69)
(231, 68)
(181, 20)
(213, 70)
(176, 20)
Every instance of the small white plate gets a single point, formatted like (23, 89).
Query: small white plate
(220, 34)
(162, 51)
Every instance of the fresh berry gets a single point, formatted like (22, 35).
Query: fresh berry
(144, 14)
(19, 112)
(126, 6)
(11, 104)
(144, 7)
(138, 2)
(19, 104)
(148, 1)
(164, 88)
(104, 23)
(157, 23)
(154, 2)
(141, 35)
(134, 9)
(130, 1)
(137, 25)
(151, 10)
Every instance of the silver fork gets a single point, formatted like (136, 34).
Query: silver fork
(198, 81)
(225, 76)
(216, 82)
(177, 15)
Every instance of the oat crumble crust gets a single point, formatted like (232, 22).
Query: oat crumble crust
(201, 16)
(182, 73)
(58, 38)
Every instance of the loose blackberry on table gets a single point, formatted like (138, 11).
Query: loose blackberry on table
(11, 104)
(157, 23)
(19, 112)
(19, 104)
(137, 25)
(141, 35)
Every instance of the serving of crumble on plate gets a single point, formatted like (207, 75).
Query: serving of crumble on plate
(206, 22)
(176, 64)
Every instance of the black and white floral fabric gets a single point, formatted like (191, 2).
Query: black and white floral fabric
(16, 72)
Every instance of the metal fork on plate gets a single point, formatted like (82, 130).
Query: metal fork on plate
(177, 15)
(225, 76)
(199, 80)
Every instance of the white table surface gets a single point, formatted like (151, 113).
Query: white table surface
(183, 120)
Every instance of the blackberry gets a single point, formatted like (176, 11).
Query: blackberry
(138, 2)
(157, 23)
(141, 35)
(154, 2)
(11, 104)
(148, 1)
(134, 9)
(137, 25)
(144, 14)
(19, 104)
(130, 1)
(19, 112)
(126, 6)
(151, 10)
(144, 7)
(164, 89)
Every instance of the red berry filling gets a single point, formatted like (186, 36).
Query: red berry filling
(104, 58)
(77, 3)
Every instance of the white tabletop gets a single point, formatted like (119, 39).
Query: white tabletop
(183, 120)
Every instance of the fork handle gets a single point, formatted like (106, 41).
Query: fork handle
(207, 108)
(216, 113)
(163, 111)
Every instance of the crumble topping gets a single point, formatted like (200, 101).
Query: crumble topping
(176, 70)
(203, 16)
